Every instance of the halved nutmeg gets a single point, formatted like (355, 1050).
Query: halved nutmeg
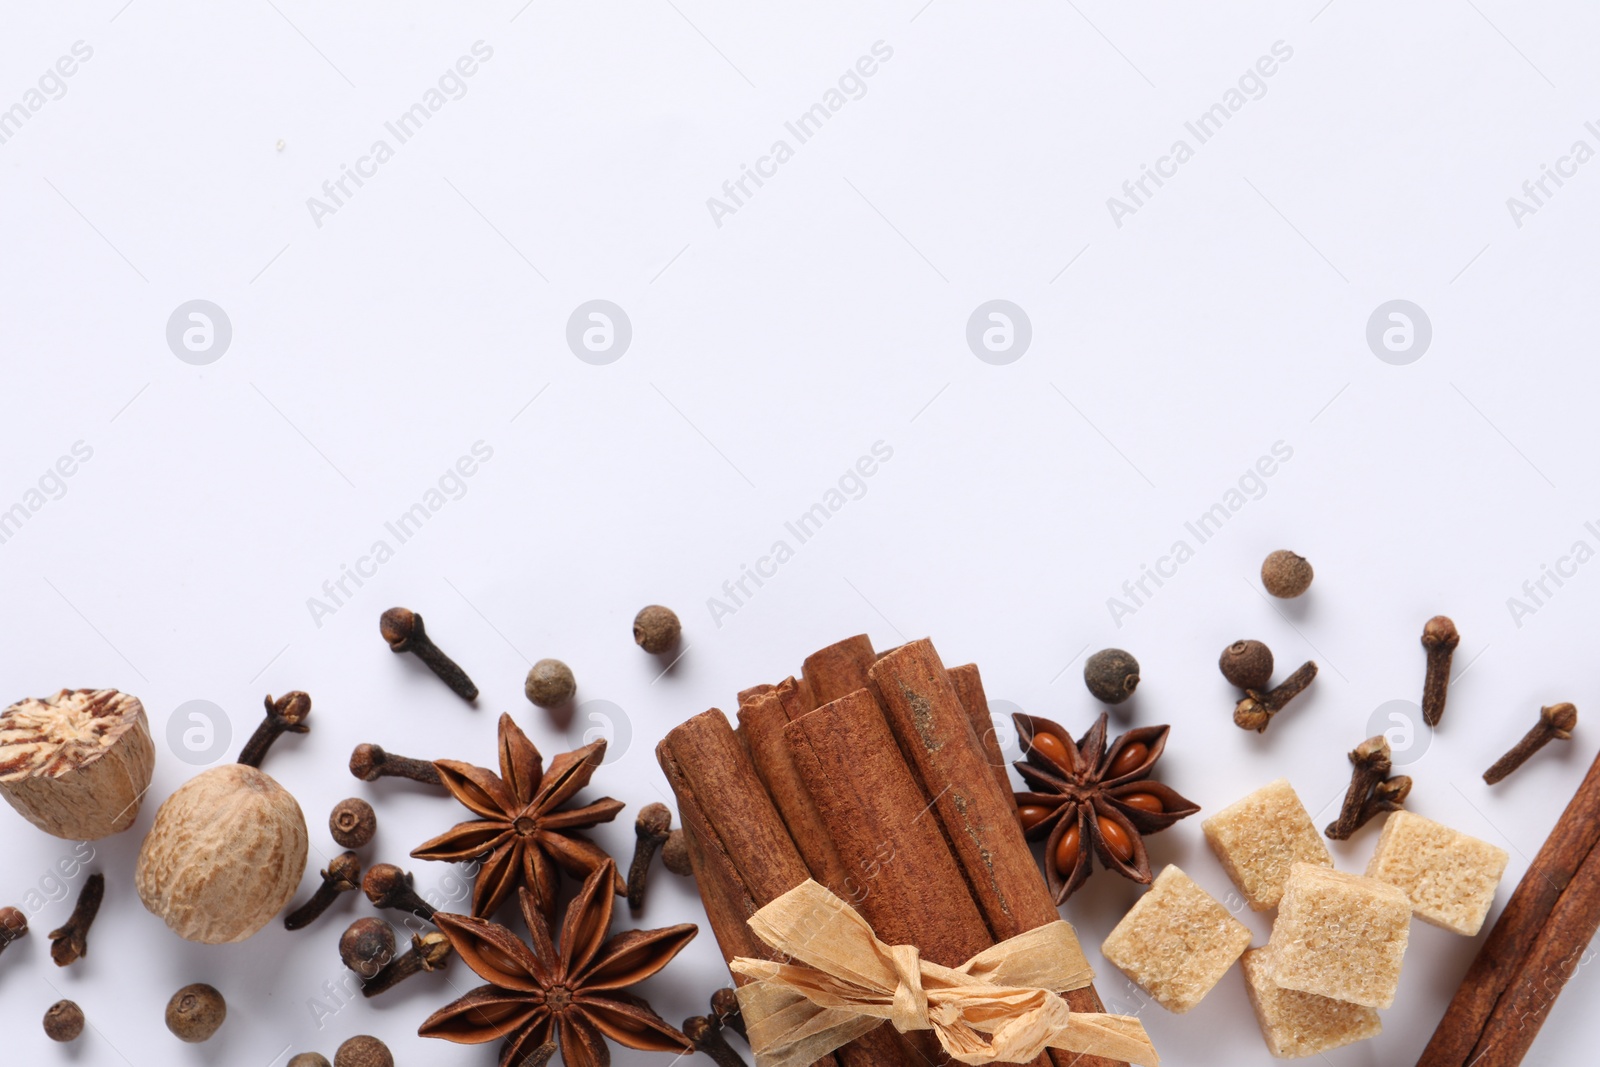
(76, 764)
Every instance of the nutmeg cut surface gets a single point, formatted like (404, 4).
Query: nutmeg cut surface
(76, 764)
(225, 855)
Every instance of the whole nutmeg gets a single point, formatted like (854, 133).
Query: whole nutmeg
(225, 855)
(363, 1051)
(550, 684)
(63, 1021)
(310, 1059)
(1285, 574)
(656, 629)
(353, 823)
(76, 764)
(367, 946)
(1111, 675)
(1247, 664)
(196, 1012)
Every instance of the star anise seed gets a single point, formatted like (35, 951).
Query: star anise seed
(1084, 791)
(522, 834)
(574, 993)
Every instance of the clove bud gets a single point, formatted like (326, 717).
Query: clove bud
(706, 1034)
(403, 629)
(287, 714)
(1371, 762)
(343, 874)
(1256, 710)
(370, 762)
(429, 952)
(13, 926)
(652, 828)
(71, 942)
(388, 886)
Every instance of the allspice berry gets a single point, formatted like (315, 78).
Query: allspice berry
(656, 629)
(1247, 665)
(1285, 574)
(363, 1051)
(675, 855)
(310, 1059)
(64, 1021)
(195, 1012)
(352, 823)
(550, 684)
(1111, 675)
(367, 946)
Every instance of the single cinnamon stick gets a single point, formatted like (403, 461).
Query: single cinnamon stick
(1551, 960)
(1491, 983)
(871, 804)
(763, 719)
(969, 687)
(839, 669)
(977, 813)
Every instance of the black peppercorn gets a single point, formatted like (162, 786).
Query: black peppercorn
(64, 1021)
(550, 684)
(363, 1051)
(352, 823)
(195, 1012)
(1111, 675)
(1247, 664)
(656, 629)
(1285, 574)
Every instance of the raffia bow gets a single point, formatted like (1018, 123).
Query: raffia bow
(1001, 1005)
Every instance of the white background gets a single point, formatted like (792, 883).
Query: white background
(828, 313)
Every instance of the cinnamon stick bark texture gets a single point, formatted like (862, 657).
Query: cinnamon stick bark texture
(839, 669)
(969, 687)
(1532, 949)
(743, 856)
(977, 813)
(872, 805)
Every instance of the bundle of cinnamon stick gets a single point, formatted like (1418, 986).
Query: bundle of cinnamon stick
(879, 777)
(1534, 948)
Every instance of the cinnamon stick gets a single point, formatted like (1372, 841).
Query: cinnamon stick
(1500, 978)
(839, 669)
(875, 810)
(969, 687)
(976, 812)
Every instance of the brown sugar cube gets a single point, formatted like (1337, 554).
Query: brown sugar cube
(1449, 877)
(1302, 1024)
(1176, 942)
(1340, 936)
(1260, 837)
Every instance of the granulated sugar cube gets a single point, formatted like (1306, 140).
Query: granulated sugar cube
(1260, 837)
(1176, 942)
(1449, 877)
(1340, 936)
(1298, 1024)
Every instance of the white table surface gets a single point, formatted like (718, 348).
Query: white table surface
(375, 344)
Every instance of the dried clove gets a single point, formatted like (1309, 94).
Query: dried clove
(652, 828)
(343, 874)
(1371, 760)
(352, 823)
(725, 1006)
(71, 942)
(403, 629)
(1256, 710)
(13, 926)
(367, 946)
(286, 715)
(1439, 639)
(370, 762)
(1556, 722)
(429, 952)
(675, 855)
(1387, 796)
(706, 1033)
(388, 886)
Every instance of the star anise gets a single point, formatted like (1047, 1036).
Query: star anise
(575, 994)
(1087, 792)
(522, 833)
